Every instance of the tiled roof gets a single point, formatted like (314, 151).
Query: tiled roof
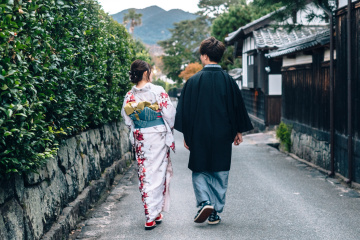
(269, 37)
(319, 38)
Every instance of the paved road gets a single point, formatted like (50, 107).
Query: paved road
(270, 196)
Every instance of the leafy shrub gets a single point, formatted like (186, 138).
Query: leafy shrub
(283, 133)
(63, 69)
(190, 70)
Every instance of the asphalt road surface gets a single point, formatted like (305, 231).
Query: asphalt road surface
(270, 196)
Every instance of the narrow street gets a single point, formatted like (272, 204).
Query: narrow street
(270, 196)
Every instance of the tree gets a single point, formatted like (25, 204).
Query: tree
(134, 19)
(228, 22)
(237, 16)
(215, 7)
(140, 51)
(181, 48)
(293, 6)
(190, 70)
(228, 61)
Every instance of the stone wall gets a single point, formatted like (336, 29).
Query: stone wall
(85, 166)
(310, 144)
(313, 145)
(311, 149)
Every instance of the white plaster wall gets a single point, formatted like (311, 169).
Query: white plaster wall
(244, 64)
(343, 3)
(300, 59)
(249, 44)
(239, 84)
(275, 87)
(327, 55)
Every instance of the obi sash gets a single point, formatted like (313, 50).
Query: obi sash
(144, 114)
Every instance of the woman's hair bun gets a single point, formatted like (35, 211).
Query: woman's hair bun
(135, 76)
(137, 69)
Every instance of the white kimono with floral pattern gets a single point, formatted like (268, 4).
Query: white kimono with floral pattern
(152, 149)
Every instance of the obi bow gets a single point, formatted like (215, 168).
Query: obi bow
(131, 108)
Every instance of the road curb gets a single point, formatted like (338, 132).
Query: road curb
(337, 176)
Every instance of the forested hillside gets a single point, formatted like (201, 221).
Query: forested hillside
(156, 23)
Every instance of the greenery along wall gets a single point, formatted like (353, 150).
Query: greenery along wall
(63, 69)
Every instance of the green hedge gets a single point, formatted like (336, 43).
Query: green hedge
(63, 69)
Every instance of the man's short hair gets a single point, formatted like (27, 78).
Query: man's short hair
(213, 48)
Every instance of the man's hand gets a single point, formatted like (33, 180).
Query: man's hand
(186, 146)
(238, 139)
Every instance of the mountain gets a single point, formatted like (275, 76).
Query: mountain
(155, 23)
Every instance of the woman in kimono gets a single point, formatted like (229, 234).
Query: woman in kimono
(150, 115)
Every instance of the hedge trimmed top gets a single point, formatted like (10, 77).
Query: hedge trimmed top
(63, 69)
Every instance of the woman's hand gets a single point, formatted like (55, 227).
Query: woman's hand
(238, 139)
(186, 146)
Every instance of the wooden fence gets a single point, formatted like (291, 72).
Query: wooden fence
(306, 94)
(341, 92)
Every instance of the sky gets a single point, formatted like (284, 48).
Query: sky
(115, 6)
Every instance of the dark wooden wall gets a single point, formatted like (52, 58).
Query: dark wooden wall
(273, 110)
(341, 92)
(305, 91)
(254, 100)
(306, 98)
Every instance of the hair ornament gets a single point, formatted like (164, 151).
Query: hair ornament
(132, 73)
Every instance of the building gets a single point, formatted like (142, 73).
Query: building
(262, 78)
(331, 141)
(305, 95)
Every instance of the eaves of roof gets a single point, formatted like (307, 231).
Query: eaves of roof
(321, 38)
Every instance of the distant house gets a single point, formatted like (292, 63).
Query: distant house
(262, 79)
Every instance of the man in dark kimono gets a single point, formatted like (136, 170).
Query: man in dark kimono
(211, 114)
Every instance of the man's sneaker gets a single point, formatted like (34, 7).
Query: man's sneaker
(150, 225)
(204, 212)
(214, 218)
(159, 219)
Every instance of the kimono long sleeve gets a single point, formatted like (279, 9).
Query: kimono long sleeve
(168, 110)
(129, 97)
